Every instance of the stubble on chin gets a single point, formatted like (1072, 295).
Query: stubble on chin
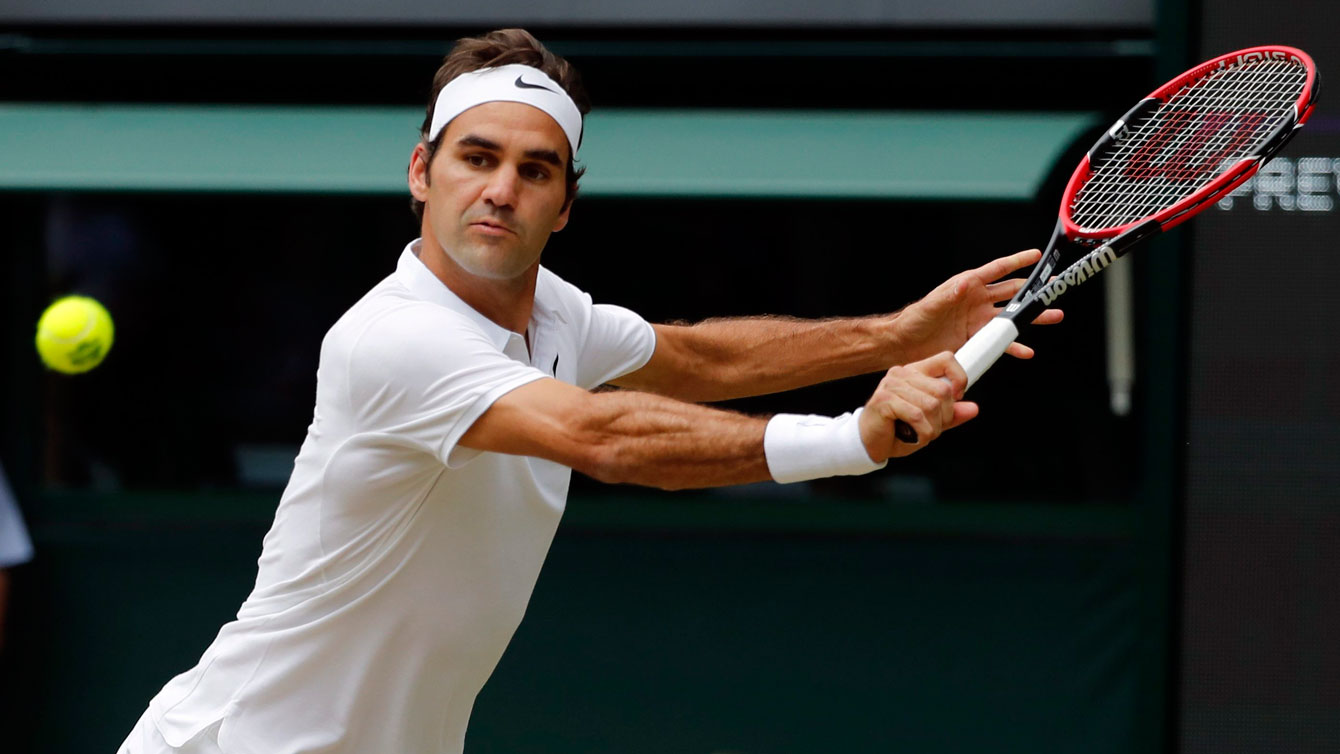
(491, 260)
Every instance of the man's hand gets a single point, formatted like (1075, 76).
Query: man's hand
(960, 306)
(924, 394)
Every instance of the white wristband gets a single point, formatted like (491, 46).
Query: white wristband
(800, 447)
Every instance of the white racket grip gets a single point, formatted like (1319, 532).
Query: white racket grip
(985, 346)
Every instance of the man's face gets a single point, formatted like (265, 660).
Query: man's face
(496, 188)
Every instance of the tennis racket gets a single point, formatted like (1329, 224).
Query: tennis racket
(1177, 152)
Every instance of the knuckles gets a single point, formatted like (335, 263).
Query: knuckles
(943, 390)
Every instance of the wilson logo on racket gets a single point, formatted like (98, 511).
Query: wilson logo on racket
(1257, 57)
(1093, 263)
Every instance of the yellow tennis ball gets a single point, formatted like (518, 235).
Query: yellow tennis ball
(74, 334)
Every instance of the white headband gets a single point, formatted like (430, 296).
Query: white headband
(508, 83)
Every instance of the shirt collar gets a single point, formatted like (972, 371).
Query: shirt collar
(415, 275)
(546, 299)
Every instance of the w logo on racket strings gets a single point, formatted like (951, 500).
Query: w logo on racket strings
(1193, 143)
(1093, 263)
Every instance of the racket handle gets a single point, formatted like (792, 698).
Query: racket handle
(985, 346)
(976, 356)
(903, 431)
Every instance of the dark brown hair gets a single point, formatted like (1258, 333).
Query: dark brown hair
(503, 47)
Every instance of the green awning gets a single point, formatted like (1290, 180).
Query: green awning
(646, 153)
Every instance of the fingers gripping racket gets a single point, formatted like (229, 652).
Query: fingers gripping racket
(1177, 152)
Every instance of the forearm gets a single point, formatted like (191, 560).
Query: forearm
(662, 442)
(624, 436)
(733, 358)
(646, 439)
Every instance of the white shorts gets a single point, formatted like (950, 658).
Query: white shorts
(144, 738)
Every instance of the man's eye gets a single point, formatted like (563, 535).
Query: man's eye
(535, 173)
(477, 160)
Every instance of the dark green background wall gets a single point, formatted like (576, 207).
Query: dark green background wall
(950, 631)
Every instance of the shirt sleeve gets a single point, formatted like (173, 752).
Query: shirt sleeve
(611, 340)
(423, 375)
(617, 342)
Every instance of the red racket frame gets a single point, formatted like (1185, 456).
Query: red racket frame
(1216, 189)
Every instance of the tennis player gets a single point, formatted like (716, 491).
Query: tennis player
(453, 401)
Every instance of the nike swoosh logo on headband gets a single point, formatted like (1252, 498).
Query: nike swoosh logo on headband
(523, 85)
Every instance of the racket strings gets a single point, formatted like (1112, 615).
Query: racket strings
(1193, 148)
(1209, 124)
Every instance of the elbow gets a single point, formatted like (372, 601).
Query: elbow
(602, 461)
(585, 442)
(610, 464)
(708, 381)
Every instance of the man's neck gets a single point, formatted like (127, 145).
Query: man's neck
(507, 303)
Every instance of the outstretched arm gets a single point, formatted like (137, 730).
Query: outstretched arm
(720, 359)
(733, 358)
(639, 438)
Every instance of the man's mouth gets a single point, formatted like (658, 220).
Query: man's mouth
(491, 227)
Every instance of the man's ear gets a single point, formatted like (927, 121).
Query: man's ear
(562, 221)
(418, 172)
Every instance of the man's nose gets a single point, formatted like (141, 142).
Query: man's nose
(502, 187)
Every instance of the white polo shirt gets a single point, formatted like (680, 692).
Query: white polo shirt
(399, 565)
